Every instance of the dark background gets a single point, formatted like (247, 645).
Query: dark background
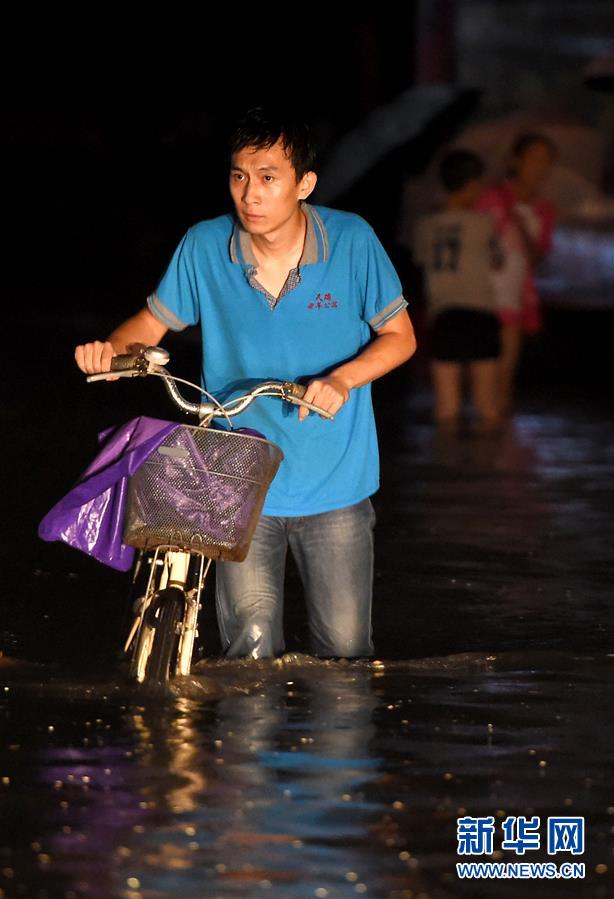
(116, 120)
(117, 126)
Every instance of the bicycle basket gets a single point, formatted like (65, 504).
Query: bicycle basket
(202, 490)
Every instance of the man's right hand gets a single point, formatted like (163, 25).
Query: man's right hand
(142, 330)
(94, 357)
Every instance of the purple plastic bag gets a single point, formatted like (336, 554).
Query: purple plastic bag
(90, 517)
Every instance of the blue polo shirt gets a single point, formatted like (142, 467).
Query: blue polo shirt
(343, 289)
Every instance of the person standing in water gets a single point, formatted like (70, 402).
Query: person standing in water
(458, 249)
(524, 221)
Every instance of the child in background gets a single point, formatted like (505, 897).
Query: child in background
(458, 250)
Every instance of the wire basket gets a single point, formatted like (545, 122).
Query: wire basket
(201, 490)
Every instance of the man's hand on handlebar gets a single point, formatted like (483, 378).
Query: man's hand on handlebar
(329, 393)
(94, 357)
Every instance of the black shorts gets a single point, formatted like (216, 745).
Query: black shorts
(465, 335)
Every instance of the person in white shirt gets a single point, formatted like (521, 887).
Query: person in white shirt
(458, 250)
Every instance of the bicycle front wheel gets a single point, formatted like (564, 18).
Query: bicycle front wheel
(164, 619)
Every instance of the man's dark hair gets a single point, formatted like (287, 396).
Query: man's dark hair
(263, 128)
(458, 167)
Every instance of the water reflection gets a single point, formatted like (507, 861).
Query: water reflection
(298, 778)
(169, 741)
(274, 772)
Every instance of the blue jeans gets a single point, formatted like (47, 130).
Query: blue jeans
(334, 555)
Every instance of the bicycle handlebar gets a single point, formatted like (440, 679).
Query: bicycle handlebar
(152, 361)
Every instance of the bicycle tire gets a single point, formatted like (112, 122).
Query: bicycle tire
(165, 616)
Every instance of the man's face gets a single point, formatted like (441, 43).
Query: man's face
(264, 188)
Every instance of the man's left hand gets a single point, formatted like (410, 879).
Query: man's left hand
(329, 393)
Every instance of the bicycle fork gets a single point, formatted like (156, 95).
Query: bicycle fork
(170, 568)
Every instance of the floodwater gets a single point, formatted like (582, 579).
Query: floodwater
(297, 778)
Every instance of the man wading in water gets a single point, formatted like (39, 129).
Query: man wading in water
(283, 289)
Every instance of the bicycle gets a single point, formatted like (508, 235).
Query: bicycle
(196, 498)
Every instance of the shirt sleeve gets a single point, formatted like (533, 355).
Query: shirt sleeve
(378, 282)
(175, 302)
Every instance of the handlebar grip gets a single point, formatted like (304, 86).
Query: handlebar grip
(298, 391)
(295, 391)
(123, 362)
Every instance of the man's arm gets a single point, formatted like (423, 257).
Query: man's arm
(143, 329)
(394, 344)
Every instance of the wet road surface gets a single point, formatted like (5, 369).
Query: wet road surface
(296, 778)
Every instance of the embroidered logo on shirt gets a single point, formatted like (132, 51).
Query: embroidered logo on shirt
(323, 301)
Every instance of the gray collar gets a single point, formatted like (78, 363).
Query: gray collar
(315, 248)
